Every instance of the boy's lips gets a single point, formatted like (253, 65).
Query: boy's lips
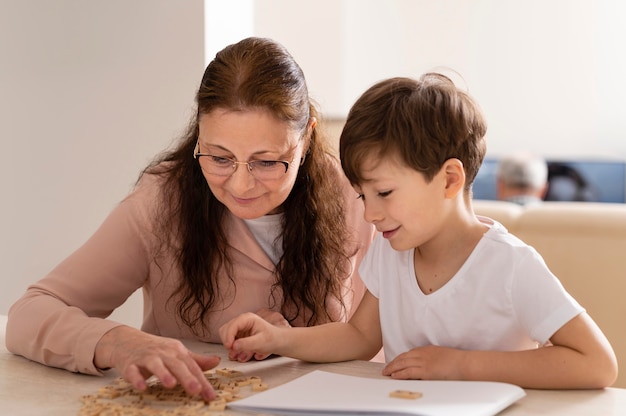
(390, 233)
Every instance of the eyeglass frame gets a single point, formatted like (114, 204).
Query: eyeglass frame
(235, 163)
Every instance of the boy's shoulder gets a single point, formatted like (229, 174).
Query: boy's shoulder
(499, 240)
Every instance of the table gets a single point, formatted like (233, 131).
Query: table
(29, 388)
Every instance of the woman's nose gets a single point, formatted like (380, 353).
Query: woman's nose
(242, 179)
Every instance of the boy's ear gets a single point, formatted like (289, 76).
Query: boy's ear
(455, 177)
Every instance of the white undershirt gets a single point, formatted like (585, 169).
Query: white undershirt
(267, 231)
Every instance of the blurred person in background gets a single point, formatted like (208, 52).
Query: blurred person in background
(522, 178)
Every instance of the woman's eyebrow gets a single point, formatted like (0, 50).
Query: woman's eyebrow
(258, 153)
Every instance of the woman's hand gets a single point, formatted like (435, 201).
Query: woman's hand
(250, 335)
(274, 318)
(138, 355)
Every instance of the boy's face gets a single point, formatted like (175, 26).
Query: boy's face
(398, 200)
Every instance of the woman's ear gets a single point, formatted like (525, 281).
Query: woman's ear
(310, 128)
(455, 177)
(308, 137)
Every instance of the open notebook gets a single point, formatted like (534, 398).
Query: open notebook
(324, 393)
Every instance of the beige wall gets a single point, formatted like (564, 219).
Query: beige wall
(546, 73)
(90, 91)
(332, 129)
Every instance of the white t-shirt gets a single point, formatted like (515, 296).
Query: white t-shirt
(503, 298)
(267, 231)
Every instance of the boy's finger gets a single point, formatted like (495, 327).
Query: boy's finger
(206, 362)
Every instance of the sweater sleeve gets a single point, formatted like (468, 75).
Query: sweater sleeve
(363, 236)
(61, 318)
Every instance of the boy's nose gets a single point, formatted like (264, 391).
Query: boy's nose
(372, 214)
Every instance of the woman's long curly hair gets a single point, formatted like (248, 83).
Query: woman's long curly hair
(255, 73)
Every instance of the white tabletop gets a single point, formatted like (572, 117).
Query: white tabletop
(29, 388)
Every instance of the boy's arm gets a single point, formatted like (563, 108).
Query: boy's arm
(360, 338)
(580, 358)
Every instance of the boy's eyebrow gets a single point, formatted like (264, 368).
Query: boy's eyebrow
(364, 178)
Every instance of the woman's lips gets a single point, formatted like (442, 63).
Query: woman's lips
(244, 201)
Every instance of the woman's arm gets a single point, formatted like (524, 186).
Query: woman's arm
(59, 320)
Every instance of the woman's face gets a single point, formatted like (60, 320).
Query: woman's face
(246, 136)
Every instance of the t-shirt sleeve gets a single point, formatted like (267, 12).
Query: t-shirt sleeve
(540, 300)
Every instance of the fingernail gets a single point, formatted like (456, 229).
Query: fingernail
(169, 381)
(208, 395)
(194, 388)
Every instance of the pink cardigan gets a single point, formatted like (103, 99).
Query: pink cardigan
(60, 319)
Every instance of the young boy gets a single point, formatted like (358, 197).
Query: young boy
(450, 295)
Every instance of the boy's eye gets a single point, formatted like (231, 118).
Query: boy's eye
(360, 196)
(384, 194)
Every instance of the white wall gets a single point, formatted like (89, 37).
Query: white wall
(90, 91)
(549, 74)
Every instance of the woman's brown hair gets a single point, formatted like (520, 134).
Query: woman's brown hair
(256, 73)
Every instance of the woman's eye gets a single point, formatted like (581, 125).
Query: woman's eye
(221, 160)
(266, 163)
(361, 196)
(384, 194)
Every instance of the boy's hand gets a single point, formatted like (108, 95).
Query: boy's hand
(274, 318)
(247, 335)
(426, 363)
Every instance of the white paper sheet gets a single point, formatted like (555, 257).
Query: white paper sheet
(324, 393)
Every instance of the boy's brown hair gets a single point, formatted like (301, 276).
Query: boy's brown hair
(424, 122)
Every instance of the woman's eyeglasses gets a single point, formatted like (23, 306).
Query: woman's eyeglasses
(224, 166)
